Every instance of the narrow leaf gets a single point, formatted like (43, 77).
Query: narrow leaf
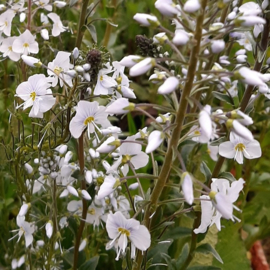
(206, 249)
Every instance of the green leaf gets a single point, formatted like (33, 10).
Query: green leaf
(72, 2)
(228, 176)
(223, 97)
(177, 233)
(206, 171)
(93, 32)
(177, 264)
(231, 248)
(90, 264)
(206, 249)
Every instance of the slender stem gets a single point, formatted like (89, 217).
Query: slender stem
(29, 15)
(176, 134)
(84, 203)
(81, 23)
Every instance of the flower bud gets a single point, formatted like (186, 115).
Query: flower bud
(192, 6)
(44, 34)
(146, 19)
(120, 106)
(154, 141)
(170, 85)
(49, 229)
(142, 67)
(31, 61)
(187, 188)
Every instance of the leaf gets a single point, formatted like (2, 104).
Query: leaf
(206, 249)
(93, 32)
(206, 171)
(72, 2)
(90, 264)
(228, 176)
(182, 258)
(231, 248)
(223, 97)
(177, 233)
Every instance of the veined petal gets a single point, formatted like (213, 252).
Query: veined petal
(141, 238)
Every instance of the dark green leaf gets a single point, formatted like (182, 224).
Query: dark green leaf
(182, 258)
(93, 32)
(90, 264)
(223, 97)
(177, 233)
(206, 249)
(206, 171)
(72, 2)
(228, 176)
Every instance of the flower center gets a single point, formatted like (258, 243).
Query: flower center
(126, 158)
(33, 95)
(197, 132)
(88, 120)
(101, 78)
(10, 48)
(100, 180)
(124, 231)
(6, 23)
(119, 80)
(25, 45)
(91, 211)
(57, 70)
(240, 147)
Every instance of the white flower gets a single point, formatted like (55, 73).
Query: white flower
(24, 209)
(58, 27)
(192, 6)
(223, 196)
(170, 85)
(6, 21)
(213, 152)
(146, 19)
(36, 93)
(44, 4)
(108, 186)
(130, 153)
(187, 188)
(142, 67)
(25, 44)
(94, 214)
(88, 115)
(6, 49)
(121, 229)
(105, 83)
(238, 148)
(58, 66)
(27, 229)
(154, 141)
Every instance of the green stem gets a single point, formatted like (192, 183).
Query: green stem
(176, 134)
(81, 23)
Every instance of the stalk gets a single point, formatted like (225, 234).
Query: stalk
(81, 23)
(176, 134)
